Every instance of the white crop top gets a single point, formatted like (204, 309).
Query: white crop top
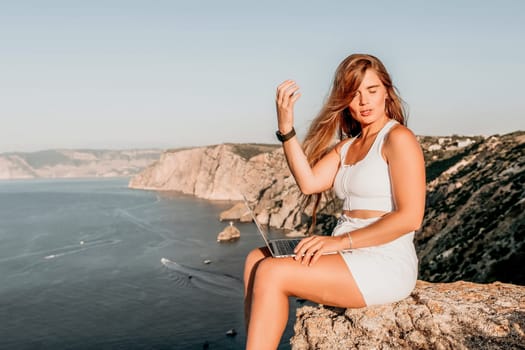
(366, 184)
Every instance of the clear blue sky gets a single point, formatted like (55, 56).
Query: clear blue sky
(126, 74)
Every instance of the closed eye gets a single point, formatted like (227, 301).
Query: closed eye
(373, 89)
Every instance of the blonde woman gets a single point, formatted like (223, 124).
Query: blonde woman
(378, 170)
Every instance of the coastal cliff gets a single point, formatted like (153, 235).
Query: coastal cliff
(226, 172)
(222, 172)
(74, 163)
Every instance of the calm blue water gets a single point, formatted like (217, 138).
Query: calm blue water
(80, 267)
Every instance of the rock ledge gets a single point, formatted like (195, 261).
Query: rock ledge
(459, 315)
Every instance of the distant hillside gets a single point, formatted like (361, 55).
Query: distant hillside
(75, 163)
(474, 227)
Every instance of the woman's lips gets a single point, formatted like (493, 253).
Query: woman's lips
(365, 112)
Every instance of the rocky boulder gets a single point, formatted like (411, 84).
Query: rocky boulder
(459, 315)
(230, 233)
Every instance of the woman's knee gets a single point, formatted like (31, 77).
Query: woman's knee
(250, 265)
(269, 274)
(253, 258)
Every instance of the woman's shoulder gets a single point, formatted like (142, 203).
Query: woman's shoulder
(400, 137)
(400, 133)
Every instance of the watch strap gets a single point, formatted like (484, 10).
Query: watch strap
(285, 137)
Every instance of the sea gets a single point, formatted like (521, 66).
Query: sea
(92, 264)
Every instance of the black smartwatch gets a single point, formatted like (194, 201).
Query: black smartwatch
(285, 137)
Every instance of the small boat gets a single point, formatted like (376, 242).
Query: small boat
(231, 332)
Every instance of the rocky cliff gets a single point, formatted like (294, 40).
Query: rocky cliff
(474, 221)
(458, 315)
(222, 172)
(474, 226)
(75, 163)
(226, 172)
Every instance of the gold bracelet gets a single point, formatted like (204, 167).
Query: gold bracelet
(350, 239)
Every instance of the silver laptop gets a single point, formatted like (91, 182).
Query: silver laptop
(281, 247)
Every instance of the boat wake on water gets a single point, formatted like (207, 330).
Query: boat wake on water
(64, 250)
(216, 283)
(72, 249)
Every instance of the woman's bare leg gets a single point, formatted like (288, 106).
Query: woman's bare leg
(327, 282)
(250, 265)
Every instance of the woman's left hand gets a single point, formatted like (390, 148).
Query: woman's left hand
(310, 249)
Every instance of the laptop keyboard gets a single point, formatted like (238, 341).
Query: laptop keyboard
(285, 246)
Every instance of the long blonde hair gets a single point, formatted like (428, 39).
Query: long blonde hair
(335, 122)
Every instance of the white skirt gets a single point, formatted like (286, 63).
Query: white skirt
(384, 273)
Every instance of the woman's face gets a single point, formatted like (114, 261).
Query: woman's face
(368, 104)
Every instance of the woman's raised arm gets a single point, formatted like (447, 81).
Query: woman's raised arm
(310, 180)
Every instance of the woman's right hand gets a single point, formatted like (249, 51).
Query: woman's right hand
(285, 100)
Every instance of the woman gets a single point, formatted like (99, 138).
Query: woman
(379, 172)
